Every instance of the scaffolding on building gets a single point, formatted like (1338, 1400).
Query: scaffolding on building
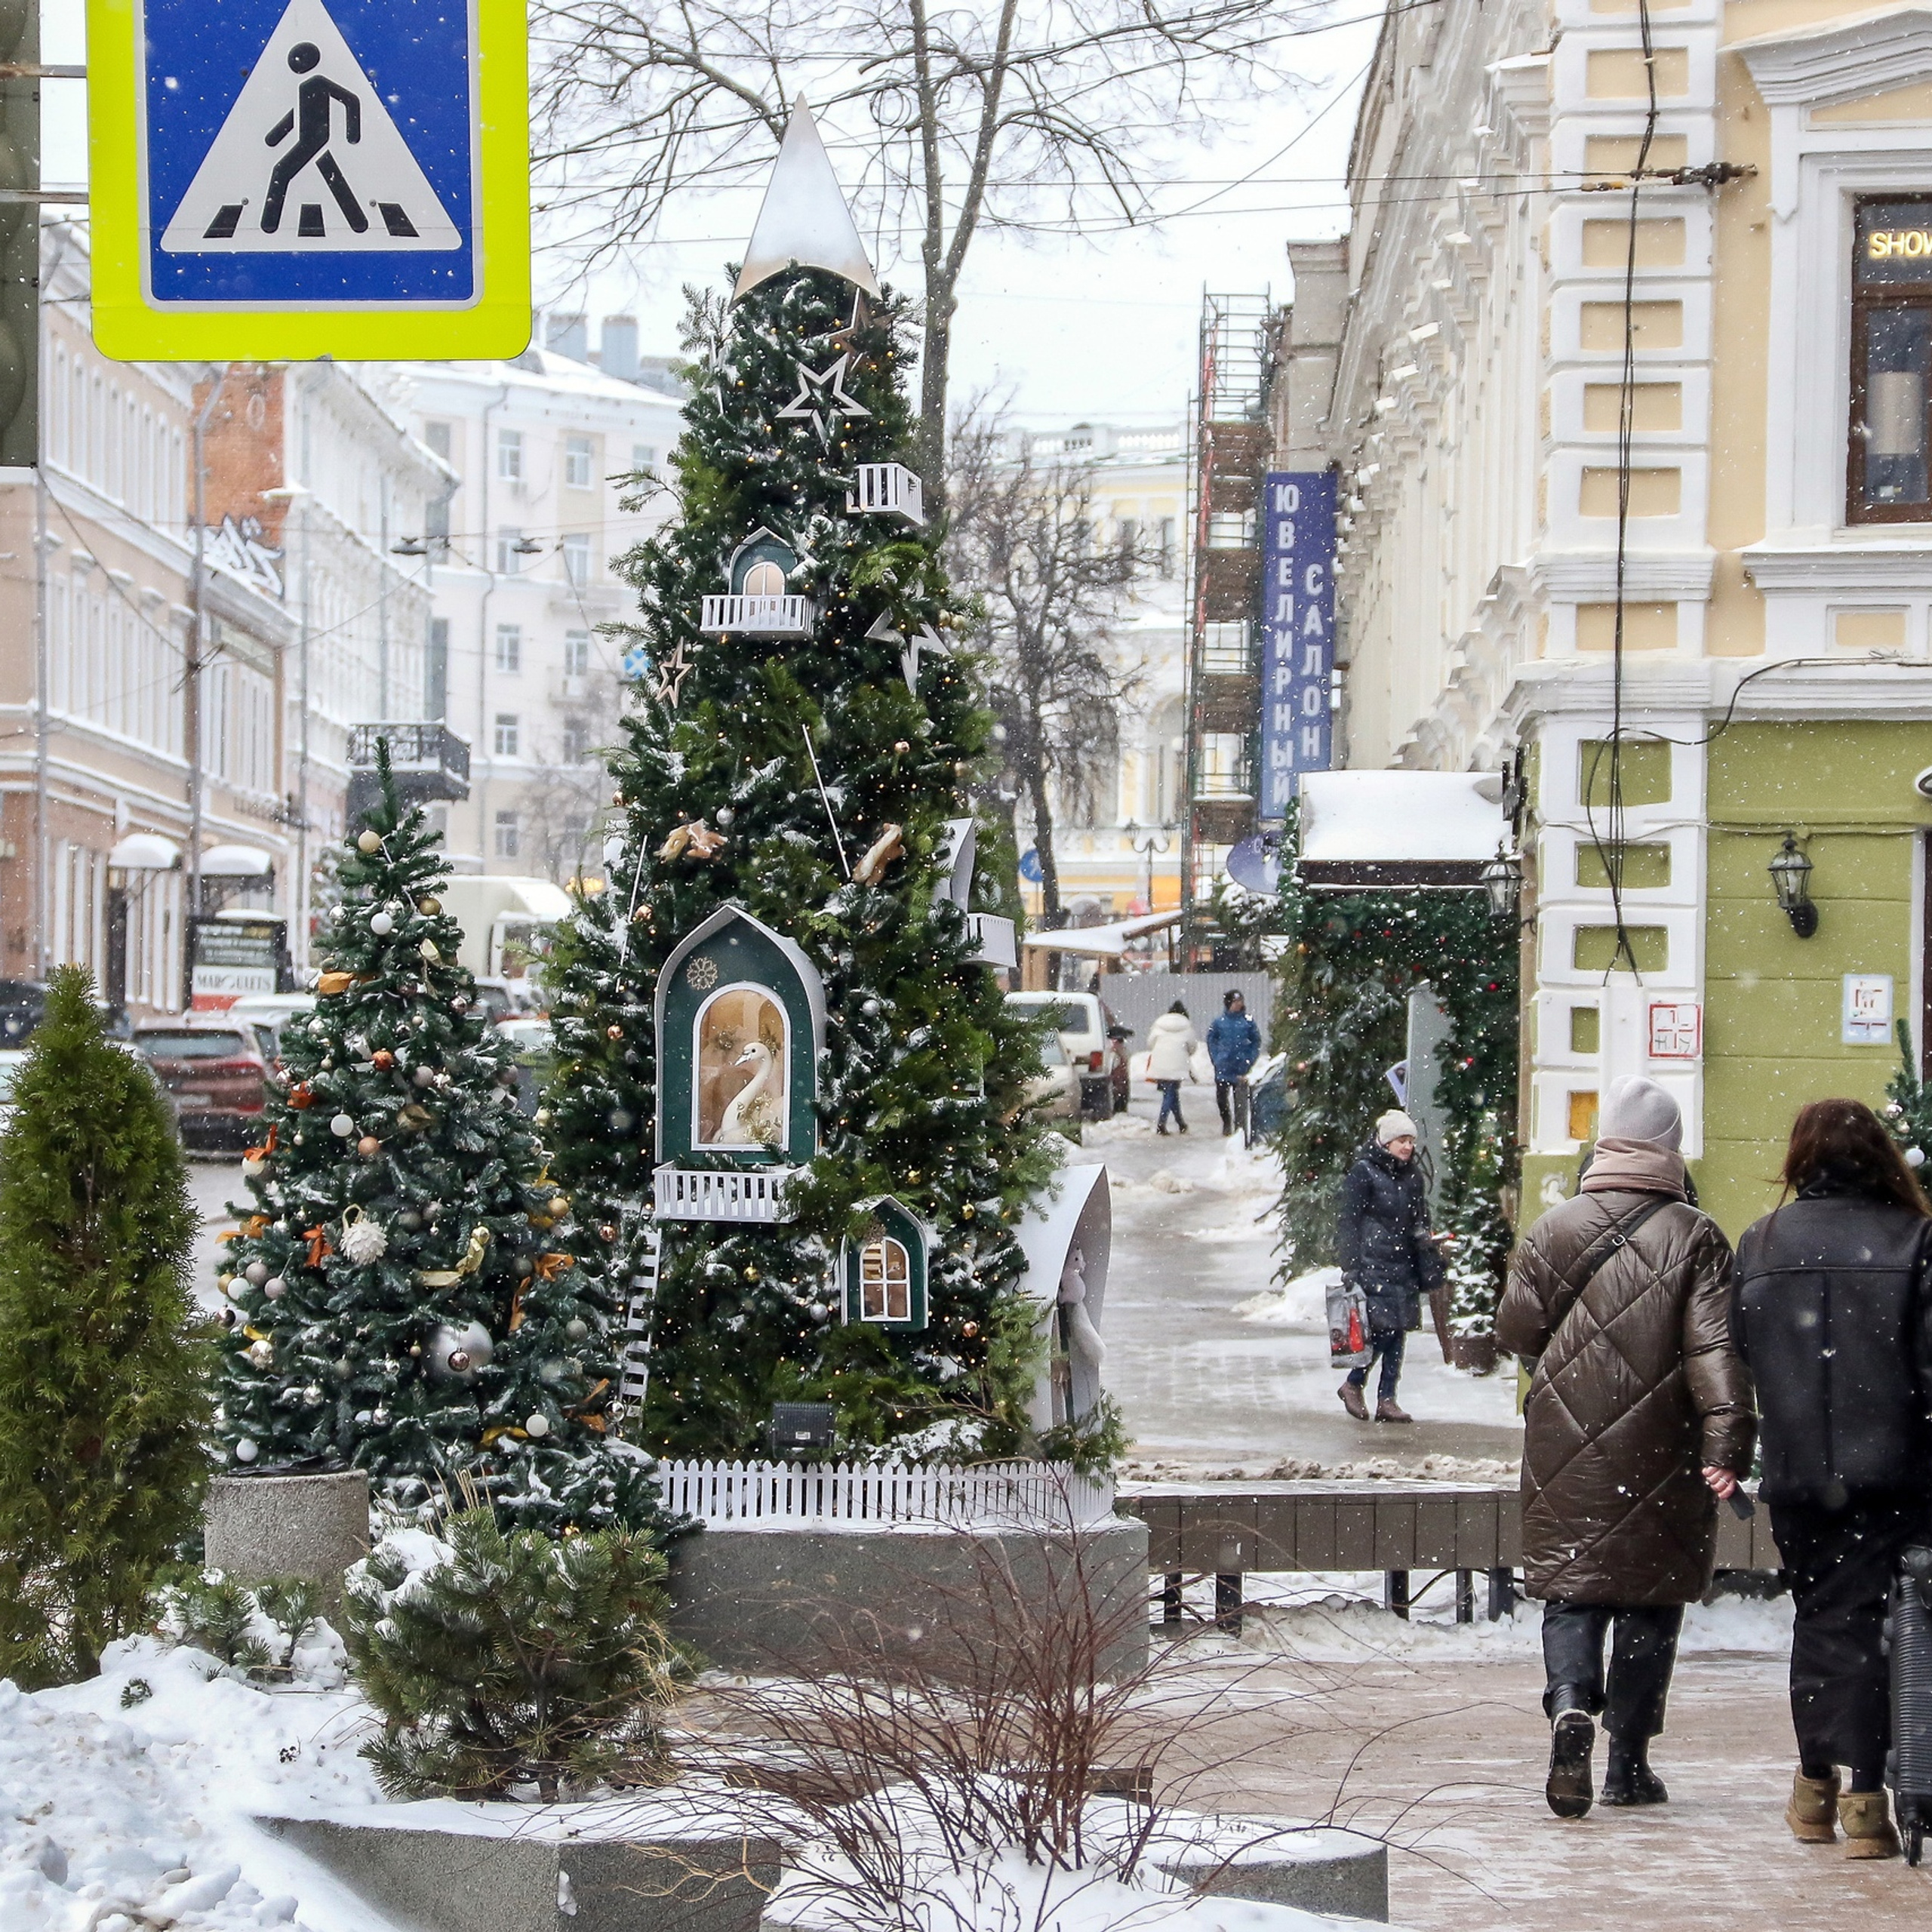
(1228, 462)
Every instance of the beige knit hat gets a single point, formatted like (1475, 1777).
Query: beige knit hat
(1393, 1125)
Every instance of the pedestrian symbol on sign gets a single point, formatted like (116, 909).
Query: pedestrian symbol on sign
(309, 126)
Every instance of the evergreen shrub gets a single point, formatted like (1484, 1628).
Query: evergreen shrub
(498, 1660)
(105, 1368)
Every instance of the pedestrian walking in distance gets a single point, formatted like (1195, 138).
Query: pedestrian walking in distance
(1639, 1418)
(1835, 1313)
(1385, 1248)
(1234, 1044)
(1171, 1045)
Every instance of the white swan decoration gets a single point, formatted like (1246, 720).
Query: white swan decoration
(755, 1117)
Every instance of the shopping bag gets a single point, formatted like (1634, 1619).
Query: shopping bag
(1140, 1064)
(1348, 1326)
(1200, 1066)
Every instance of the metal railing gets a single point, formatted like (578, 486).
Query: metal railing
(417, 745)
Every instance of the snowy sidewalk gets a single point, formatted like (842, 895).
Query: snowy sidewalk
(1218, 1376)
(1432, 1736)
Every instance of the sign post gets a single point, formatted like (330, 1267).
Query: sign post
(1298, 632)
(289, 180)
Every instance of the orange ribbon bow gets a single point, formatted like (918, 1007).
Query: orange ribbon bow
(318, 1238)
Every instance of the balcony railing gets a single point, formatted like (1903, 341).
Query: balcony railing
(887, 489)
(1229, 650)
(757, 616)
(429, 761)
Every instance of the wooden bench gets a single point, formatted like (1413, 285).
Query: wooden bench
(1225, 1529)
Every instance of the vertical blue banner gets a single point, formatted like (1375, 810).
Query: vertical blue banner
(1298, 631)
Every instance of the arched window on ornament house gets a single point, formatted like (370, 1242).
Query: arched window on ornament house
(885, 1266)
(741, 1018)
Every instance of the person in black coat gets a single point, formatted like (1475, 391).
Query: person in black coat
(1385, 1248)
(1834, 1313)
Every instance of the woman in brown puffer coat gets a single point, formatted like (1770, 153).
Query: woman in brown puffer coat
(1639, 1416)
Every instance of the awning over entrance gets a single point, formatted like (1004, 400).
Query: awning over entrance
(145, 852)
(236, 862)
(1362, 829)
(1107, 942)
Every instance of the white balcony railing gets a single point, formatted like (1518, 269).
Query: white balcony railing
(757, 616)
(993, 943)
(887, 489)
(749, 1194)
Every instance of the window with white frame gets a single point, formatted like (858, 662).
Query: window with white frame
(644, 459)
(575, 548)
(509, 648)
(509, 455)
(507, 827)
(576, 742)
(1889, 476)
(577, 654)
(510, 552)
(579, 454)
(508, 734)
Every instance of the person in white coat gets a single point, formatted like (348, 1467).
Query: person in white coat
(1171, 1045)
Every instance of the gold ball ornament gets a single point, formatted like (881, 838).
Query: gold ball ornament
(429, 907)
(369, 841)
(558, 1206)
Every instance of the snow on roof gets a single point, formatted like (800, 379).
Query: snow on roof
(1398, 817)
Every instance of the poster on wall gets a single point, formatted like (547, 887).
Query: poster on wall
(1298, 632)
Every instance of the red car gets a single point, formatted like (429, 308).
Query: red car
(217, 1072)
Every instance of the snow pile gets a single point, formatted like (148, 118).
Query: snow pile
(125, 1801)
(1350, 1628)
(1300, 1303)
(1487, 1469)
(938, 1879)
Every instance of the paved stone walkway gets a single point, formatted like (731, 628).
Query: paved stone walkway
(1446, 1758)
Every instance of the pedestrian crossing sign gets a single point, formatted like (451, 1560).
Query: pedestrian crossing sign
(280, 180)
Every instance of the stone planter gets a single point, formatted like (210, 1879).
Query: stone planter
(312, 1526)
(1475, 1354)
(794, 1597)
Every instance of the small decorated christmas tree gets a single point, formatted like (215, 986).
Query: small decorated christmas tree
(788, 1082)
(105, 1369)
(400, 1300)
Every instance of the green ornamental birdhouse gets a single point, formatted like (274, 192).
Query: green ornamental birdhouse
(884, 1268)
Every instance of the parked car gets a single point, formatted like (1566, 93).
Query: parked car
(270, 1014)
(217, 1072)
(1095, 1043)
(1055, 1095)
(535, 1051)
(23, 1004)
(503, 999)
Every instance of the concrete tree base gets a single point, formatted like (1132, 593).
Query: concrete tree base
(787, 1598)
(1315, 1868)
(511, 1869)
(312, 1526)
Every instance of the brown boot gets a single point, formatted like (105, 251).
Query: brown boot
(1351, 1400)
(1387, 1409)
(1814, 1805)
(1866, 1816)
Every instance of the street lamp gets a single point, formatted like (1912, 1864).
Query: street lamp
(1502, 879)
(1791, 876)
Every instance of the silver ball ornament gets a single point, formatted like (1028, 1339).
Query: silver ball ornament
(245, 1451)
(275, 1288)
(538, 1425)
(342, 1126)
(257, 1272)
(381, 924)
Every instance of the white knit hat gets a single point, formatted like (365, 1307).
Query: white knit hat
(1393, 1125)
(1635, 1108)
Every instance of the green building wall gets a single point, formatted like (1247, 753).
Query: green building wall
(1773, 1002)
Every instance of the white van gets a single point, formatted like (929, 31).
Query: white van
(503, 919)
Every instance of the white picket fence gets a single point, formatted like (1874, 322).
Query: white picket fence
(995, 1495)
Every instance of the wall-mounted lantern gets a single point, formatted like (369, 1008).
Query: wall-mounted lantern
(1791, 875)
(1502, 879)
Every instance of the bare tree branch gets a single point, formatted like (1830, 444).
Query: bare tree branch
(967, 119)
(1053, 589)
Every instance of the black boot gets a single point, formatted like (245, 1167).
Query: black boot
(1571, 1737)
(1628, 1778)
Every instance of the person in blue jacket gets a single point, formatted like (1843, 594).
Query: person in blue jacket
(1234, 1044)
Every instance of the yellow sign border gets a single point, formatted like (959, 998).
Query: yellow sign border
(129, 328)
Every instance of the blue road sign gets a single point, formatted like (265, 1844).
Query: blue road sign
(1030, 867)
(312, 159)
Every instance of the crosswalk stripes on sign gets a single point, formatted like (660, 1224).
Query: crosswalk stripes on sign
(308, 160)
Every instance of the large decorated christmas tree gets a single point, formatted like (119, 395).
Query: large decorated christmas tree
(399, 1297)
(790, 1099)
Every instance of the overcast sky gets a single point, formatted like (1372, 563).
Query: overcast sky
(1103, 330)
